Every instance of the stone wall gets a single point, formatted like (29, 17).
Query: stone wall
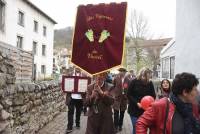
(7, 80)
(26, 107)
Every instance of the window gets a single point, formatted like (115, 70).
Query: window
(2, 16)
(34, 71)
(44, 30)
(172, 65)
(19, 42)
(165, 68)
(43, 50)
(34, 47)
(21, 18)
(43, 69)
(35, 26)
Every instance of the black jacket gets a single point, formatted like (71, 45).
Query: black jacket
(136, 91)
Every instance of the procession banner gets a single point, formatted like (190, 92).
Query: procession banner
(99, 37)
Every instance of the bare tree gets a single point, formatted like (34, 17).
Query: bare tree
(154, 58)
(137, 31)
(138, 25)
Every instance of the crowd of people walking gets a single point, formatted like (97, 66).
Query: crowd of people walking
(176, 109)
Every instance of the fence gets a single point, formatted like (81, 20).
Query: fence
(22, 61)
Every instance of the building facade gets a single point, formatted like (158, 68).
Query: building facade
(25, 26)
(62, 60)
(182, 54)
(167, 61)
(187, 36)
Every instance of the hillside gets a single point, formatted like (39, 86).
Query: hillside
(63, 38)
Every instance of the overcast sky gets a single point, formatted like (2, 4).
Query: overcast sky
(161, 14)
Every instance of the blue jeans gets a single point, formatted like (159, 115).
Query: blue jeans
(133, 120)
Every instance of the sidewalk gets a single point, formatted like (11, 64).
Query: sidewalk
(59, 124)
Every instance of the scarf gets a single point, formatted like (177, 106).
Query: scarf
(192, 126)
(167, 90)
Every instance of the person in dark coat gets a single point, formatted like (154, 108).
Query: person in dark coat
(74, 104)
(138, 88)
(120, 94)
(74, 101)
(99, 101)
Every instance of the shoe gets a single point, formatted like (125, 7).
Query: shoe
(116, 129)
(85, 114)
(78, 126)
(69, 131)
(120, 128)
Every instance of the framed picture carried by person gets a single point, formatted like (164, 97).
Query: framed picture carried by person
(75, 84)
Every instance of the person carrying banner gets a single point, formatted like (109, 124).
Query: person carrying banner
(120, 95)
(99, 101)
(74, 101)
(98, 45)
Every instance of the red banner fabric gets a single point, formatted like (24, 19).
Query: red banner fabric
(99, 37)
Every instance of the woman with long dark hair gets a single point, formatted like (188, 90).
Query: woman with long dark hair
(165, 88)
(138, 88)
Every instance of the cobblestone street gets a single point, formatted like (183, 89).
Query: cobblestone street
(59, 124)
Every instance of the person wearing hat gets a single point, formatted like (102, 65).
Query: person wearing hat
(122, 70)
(120, 95)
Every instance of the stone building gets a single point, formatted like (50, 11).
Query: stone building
(27, 27)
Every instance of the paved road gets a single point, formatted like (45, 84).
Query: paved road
(59, 124)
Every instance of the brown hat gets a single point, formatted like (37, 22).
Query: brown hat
(122, 70)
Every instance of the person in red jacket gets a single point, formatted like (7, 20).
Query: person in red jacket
(175, 115)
